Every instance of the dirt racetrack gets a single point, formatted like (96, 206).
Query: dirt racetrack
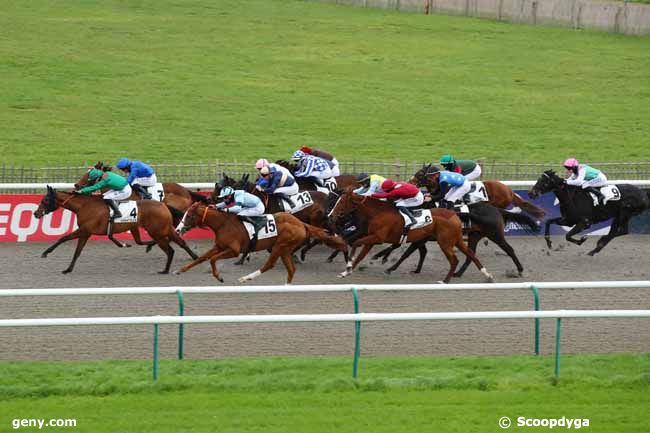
(104, 265)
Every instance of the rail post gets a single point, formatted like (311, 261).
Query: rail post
(557, 348)
(536, 298)
(181, 312)
(357, 336)
(155, 352)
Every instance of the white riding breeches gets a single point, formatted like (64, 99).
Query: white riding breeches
(253, 211)
(287, 190)
(596, 182)
(458, 192)
(325, 174)
(120, 195)
(475, 174)
(146, 181)
(335, 170)
(411, 202)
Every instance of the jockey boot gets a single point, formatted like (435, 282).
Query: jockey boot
(288, 201)
(444, 204)
(142, 191)
(116, 208)
(409, 214)
(596, 191)
(466, 198)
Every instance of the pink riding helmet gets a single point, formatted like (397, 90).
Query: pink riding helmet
(261, 163)
(571, 163)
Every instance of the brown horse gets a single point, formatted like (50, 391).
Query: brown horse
(176, 197)
(343, 181)
(231, 239)
(499, 194)
(385, 225)
(92, 218)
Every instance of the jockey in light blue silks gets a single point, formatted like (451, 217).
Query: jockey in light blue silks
(453, 185)
(141, 176)
(240, 202)
(312, 168)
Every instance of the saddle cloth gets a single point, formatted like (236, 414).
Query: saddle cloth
(157, 192)
(129, 211)
(270, 230)
(330, 186)
(477, 192)
(610, 192)
(422, 218)
(302, 200)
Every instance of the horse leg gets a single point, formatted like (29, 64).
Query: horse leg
(368, 242)
(75, 234)
(169, 251)
(311, 244)
(423, 253)
(116, 242)
(618, 228)
(547, 229)
(135, 232)
(576, 229)
(500, 240)
(291, 267)
(270, 262)
(470, 254)
(175, 237)
(412, 247)
(448, 251)
(473, 239)
(208, 254)
(225, 254)
(81, 243)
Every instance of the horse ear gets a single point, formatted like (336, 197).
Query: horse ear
(107, 168)
(99, 165)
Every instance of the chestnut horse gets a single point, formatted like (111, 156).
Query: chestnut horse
(177, 198)
(231, 239)
(499, 194)
(92, 219)
(385, 225)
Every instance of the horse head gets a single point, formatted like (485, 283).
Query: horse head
(345, 205)
(190, 219)
(547, 182)
(84, 181)
(48, 203)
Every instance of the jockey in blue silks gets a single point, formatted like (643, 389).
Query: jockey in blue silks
(311, 167)
(141, 176)
(276, 181)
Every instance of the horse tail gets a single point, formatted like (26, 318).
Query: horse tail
(199, 197)
(526, 222)
(527, 206)
(331, 241)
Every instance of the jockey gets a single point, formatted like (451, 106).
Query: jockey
(589, 178)
(370, 184)
(334, 166)
(453, 186)
(141, 176)
(240, 202)
(470, 169)
(261, 163)
(276, 181)
(118, 189)
(407, 196)
(315, 169)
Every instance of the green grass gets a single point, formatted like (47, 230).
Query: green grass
(467, 394)
(237, 79)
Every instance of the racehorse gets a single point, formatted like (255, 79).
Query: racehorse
(485, 221)
(343, 181)
(231, 239)
(176, 197)
(314, 214)
(385, 225)
(577, 209)
(92, 219)
(498, 194)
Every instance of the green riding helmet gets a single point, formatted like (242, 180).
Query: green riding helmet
(94, 174)
(447, 159)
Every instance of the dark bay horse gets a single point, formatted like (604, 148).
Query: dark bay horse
(177, 197)
(231, 239)
(385, 225)
(92, 218)
(499, 194)
(577, 209)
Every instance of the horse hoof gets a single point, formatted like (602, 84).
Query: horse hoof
(329, 260)
(387, 271)
(67, 271)
(415, 271)
(127, 245)
(513, 274)
(163, 272)
(44, 255)
(457, 275)
(176, 273)
(592, 253)
(441, 282)
(220, 279)
(242, 280)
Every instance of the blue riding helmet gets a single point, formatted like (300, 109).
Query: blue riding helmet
(123, 163)
(226, 191)
(298, 155)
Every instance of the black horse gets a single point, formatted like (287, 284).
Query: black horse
(577, 209)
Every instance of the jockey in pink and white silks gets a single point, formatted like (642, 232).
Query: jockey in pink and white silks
(589, 178)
